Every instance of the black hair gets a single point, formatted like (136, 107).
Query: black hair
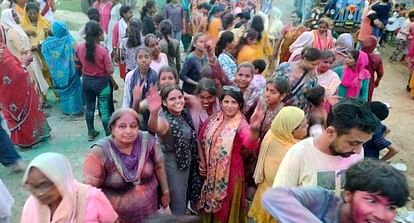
(258, 25)
(206, 84)
(281, 84)
(249, 34)
(93, 14)
(195, 39)
(124, 9)
(134, 33)
(227, 20)
(311, 54)
(166, 28)
(355, 54)
(158, 18)
(93, 31)
(165, 91)
(142, 48)
(411, 14)
(168, 69)
(247, 65)
(148, 5)
(148, 37)
(352, 114)
(204, 5)
(225, 38)
(315, 95)
(379, 109)
(260, 65)
(379, 178)
(237, 95)
(298, 13)
(326, 54)
(32, 6)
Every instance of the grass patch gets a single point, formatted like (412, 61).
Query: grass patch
(69, 5)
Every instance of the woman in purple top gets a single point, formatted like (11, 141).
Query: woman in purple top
(176, 14)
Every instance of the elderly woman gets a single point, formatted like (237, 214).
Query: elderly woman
(222, 139)
(288, 127)
(59, 53)
(343, 45)
(129, 168)
(174, 127)
(56, 196)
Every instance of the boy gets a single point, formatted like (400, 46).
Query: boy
(378, 142)
(373, 191)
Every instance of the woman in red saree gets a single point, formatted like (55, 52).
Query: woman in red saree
(375, 66)
(20, 103)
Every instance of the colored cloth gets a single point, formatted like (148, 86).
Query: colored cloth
(175, 14)
(352, 79)
(115, 17)
(366, 29)
(39, 29)
(289, 36)
(3, 39)
(299, 82)
(102, 67)
(8, 154)
(263, 48)
(104, 9)
(20, 103)
(330, 81)
(80, 202)
(129, 53)
(275, 144)
(323, 42)
(174, 57)
(147, 25)
(228, 64)
(214, 28)
(221, 206)
(344, 44)
(46, 8)
(375, 65)
(377, 143)
(268, 119)
(6, 203)
(162, 62)
(275, 26)
(20, 10)
(305, 40)
(363, 93)
(199, 115)
(247, 54)
(305, 165)
(134, 78)
(59, 53)
(129, 181)
(303, 204)
(191, 70)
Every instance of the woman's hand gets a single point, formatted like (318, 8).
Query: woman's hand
(165, 198)
(137, 92)
(257, 117)
(154, 99)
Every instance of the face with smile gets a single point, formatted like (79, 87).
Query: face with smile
(41, 187)
(143, 60)
(166, 78)
(323, 28)
(229, 106)
(325, 65)
(243, 77)
(125, 129)
(207, 100)
(368, 207)
(347, 144)
(175, 102)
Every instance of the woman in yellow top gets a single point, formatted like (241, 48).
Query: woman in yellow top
(37, 28)
(214, 21)
(288, 127)
(245, 50)
(262, 47)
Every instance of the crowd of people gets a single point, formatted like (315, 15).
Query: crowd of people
(256, 110)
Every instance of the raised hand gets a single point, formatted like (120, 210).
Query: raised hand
(154, 100)
(137, 92)
(257, 117)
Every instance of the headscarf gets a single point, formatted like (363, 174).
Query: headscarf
(303, 41)
(58, 51)
(275, 23)
(279, 137)
(370, 43)
(40, 27)
(8, 22)
(57, 169)
(344, 44)
(352, 79)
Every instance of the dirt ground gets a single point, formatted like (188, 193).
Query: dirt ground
(69, 135)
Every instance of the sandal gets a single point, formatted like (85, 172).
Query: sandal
(92, 135)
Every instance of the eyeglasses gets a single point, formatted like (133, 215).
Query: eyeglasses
(40, 189)
(231, 88)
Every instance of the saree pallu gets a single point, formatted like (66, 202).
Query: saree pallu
(21, 105)
(291, 35)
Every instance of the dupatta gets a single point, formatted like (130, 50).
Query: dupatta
(352, 79)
